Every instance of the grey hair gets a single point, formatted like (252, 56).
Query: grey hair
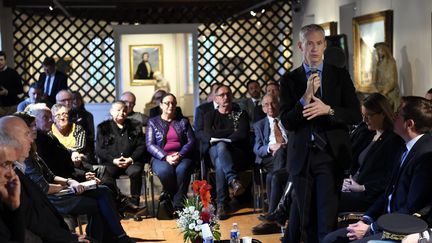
(8, 140)
(310, 28)
(57, 107)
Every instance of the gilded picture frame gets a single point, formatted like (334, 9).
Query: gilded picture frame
(330, 28)
(368, 30)
(139, 69)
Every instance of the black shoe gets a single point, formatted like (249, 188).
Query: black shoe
(266, 228)
(221, 213)
(237, 187)
(276, 216)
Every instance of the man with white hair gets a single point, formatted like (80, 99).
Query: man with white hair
(42, 219)
(12, 226)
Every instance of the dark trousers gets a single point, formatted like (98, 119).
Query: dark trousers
(339, 236)
(354, 202)
(175, 179)
(317, 189)
(276, 182)
(134, 172)
(277, 176)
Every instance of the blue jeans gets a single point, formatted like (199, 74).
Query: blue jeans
(222, 159)
(175, 178)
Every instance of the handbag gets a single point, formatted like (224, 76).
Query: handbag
(165, 207)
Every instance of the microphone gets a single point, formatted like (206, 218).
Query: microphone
(313, 70)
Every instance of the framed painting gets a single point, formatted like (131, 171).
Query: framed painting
(330, 28)
(145, 60)
(368, 30)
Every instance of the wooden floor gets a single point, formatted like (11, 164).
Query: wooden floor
(153, 230)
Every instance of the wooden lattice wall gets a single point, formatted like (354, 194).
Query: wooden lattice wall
(232, 50)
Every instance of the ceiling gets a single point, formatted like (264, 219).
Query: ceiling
(143, 11)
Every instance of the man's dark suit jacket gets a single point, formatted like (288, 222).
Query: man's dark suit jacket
(378, 163)
(60, 83)
(411, 184)
(339, 93)
(12, 224)
(40, 215)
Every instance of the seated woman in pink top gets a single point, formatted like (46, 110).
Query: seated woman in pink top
(170, 141)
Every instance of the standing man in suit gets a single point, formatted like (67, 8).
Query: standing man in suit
(318, 101)
(410, 188)
(51, 81)
(270, 147)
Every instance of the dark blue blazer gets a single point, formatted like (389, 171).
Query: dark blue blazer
(339, 93)
(411, 184)
(60, 83)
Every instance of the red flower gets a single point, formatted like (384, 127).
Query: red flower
(205, 195)
(196, 185)
(205, 216)
(202, 189)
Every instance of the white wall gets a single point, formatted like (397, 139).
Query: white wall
(411, 34)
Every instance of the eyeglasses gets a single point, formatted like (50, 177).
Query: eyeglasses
(64, 114)
(8, 165)
(169, 103)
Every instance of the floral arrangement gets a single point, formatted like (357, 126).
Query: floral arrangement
(197, 211)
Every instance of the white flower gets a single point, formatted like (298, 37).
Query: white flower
(199, 221)
(191, 226)
(191, 209)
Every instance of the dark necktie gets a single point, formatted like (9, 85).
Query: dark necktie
(48, 84)
(277, 132)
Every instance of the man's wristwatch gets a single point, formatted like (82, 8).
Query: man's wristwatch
(331, 112)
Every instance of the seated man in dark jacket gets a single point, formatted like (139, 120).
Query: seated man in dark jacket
(12, 226)
(227, 135)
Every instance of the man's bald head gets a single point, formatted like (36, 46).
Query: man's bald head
(16, 128)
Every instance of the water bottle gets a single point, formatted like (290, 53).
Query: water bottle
(235, 234)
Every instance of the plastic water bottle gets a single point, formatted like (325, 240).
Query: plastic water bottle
(235, 234)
